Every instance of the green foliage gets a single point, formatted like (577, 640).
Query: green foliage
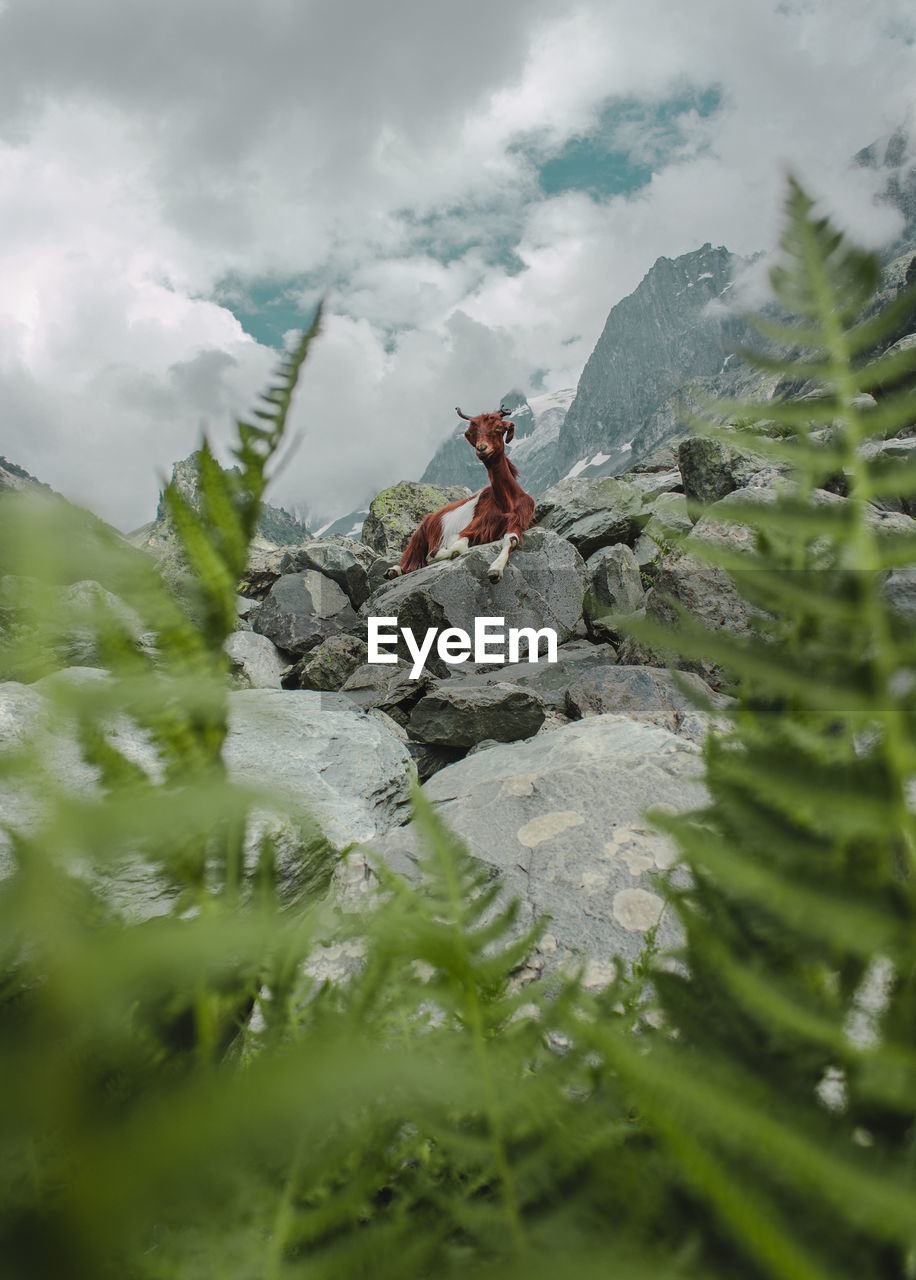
(787, 1100)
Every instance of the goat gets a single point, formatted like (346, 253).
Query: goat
(501, 511)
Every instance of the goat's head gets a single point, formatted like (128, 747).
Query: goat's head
(489, 434)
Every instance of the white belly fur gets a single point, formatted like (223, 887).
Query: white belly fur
(454, 521)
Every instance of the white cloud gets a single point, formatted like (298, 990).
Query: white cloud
(148, 152)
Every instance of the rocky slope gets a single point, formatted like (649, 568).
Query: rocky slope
(543, 768)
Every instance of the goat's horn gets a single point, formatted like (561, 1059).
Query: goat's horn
(502, 412)
(462, 415)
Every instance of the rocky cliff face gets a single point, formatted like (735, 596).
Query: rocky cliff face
(276, 527)
(662, 335)
(13, 478)
(896, 154)
(667, 333)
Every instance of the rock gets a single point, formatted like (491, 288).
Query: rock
(646, 694)
(54, 627)
(378, 570)
(321, 752)
(652, 485)
(615, 587)
(664, 458)
(560, 818)
(395, 513)
(457, 714)
(330, 665)
(900, 593)
(390, 688)
(302, 609)
(899, 450)
(710, 470)
(245, 611)
(543, 586)
(255, 662)
(547, 680)
(322, 758)
(337, 559)
(591, 513)
(668, 519)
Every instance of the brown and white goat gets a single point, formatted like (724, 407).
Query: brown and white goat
(501, 511)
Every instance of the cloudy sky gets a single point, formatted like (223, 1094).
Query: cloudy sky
(472, 186)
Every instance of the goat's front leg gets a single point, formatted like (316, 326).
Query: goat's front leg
(495, 571)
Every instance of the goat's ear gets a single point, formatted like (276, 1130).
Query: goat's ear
(471, 434)
(510, 431)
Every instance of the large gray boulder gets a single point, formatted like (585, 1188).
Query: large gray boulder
(459, 714)
(591, 513)
(543, 586)
(343, 560)
(254, 661)
(330, 665)
(710, 470)
(561, 820)
(395, 513)
(302, 609)
(315, 757)
(668, 522)
(320, 752)
(615, 587)
(647, 694)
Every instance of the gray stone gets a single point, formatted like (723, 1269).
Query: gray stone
(319, 751)
(615, 588)
(900, 593)
(255, 662)
(561, 820)
(302, 609)
(390, 688)
(547, 680)
(337, 561)
(313, 757)
(395, 513)
(591, 513)
(459, 715)
(543, 586)
(330, 665)
(664, 458)
(668, 521)
(652, 485)
(646, 694)
(710, 470)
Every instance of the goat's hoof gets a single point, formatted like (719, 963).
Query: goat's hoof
(393, 572)
(494, 575)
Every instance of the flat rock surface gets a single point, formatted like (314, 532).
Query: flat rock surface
(561, 819)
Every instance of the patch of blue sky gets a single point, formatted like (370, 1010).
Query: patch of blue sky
(268, 308)
(631, 140)
(447, 235)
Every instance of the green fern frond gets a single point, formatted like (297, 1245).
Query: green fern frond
(802, 864)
